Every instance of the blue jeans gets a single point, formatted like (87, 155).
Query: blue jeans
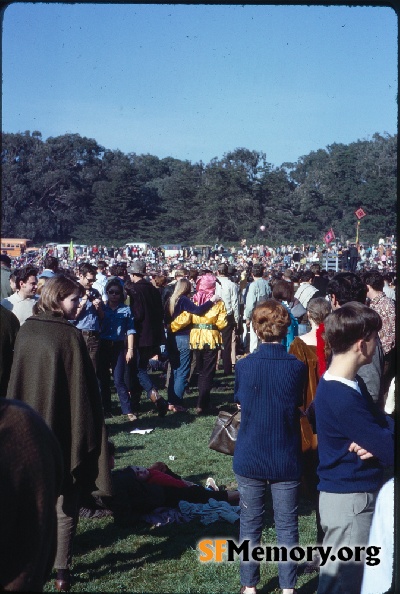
(180, 357)
(143, 356)
(285, 497)
(112, 354)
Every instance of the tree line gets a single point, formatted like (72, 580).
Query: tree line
(71, 187)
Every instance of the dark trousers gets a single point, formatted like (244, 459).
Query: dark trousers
(227, 334)
(206, 361)
(309, 484)
(194, 494)
(67, 508)
(353, 264)
(112, 355)
(92, 342)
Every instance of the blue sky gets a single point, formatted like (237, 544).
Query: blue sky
(196, 81)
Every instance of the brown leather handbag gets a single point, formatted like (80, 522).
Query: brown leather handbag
(224, 435)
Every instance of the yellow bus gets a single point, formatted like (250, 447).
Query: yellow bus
(14, 247)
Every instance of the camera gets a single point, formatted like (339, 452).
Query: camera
(93, 294)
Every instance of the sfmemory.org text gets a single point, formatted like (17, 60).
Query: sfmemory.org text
(225, 549)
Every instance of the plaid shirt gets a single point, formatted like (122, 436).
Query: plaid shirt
(386, 308)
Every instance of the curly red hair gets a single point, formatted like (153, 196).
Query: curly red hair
(271, 320)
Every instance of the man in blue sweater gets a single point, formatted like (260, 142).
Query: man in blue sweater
(355, 443)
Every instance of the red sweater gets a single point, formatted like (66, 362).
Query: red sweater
(156, 477)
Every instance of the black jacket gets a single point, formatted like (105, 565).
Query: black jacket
(147, 310)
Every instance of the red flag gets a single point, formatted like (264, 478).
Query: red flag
(330, 236)
(360, 213)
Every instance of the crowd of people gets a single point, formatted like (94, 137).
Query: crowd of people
(313, 353)
(350, 256)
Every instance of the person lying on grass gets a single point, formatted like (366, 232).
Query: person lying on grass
(134, 495)
(159, 474)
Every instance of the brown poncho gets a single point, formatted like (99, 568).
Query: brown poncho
(53, 373)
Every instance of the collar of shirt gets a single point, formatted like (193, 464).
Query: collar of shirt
(376, 299)
(19, 298)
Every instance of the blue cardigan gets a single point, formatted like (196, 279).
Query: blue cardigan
(269, 386)
(343, 416)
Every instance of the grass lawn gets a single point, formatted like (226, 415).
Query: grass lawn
(145, 559)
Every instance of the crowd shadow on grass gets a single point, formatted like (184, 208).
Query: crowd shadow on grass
(310, 586)
(168, 543)
(221, 395)
(148, 419)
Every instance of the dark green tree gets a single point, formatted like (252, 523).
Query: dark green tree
(46, 186)
(70, 186)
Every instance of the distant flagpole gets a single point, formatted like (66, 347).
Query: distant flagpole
(357, 230)
(71, 250)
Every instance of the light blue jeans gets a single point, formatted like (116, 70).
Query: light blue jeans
(285, 496)
(180, 357)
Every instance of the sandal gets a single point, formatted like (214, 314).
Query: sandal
(210, 483)
(132, 417)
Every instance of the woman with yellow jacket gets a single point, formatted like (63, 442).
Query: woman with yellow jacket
(205, 337)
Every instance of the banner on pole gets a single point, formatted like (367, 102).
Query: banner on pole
(330, 236)
(360, 213)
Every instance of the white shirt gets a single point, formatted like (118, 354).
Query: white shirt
(304, 293)
(22, 308)
(378, 578)
(389, 292)
(351, 383)
(100, 285)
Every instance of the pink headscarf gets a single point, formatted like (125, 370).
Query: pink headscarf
(205, 288)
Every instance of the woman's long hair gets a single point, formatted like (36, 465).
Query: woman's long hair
(55, 290)
(182, 287)
(318, 309)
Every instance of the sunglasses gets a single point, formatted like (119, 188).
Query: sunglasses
(114, 292)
